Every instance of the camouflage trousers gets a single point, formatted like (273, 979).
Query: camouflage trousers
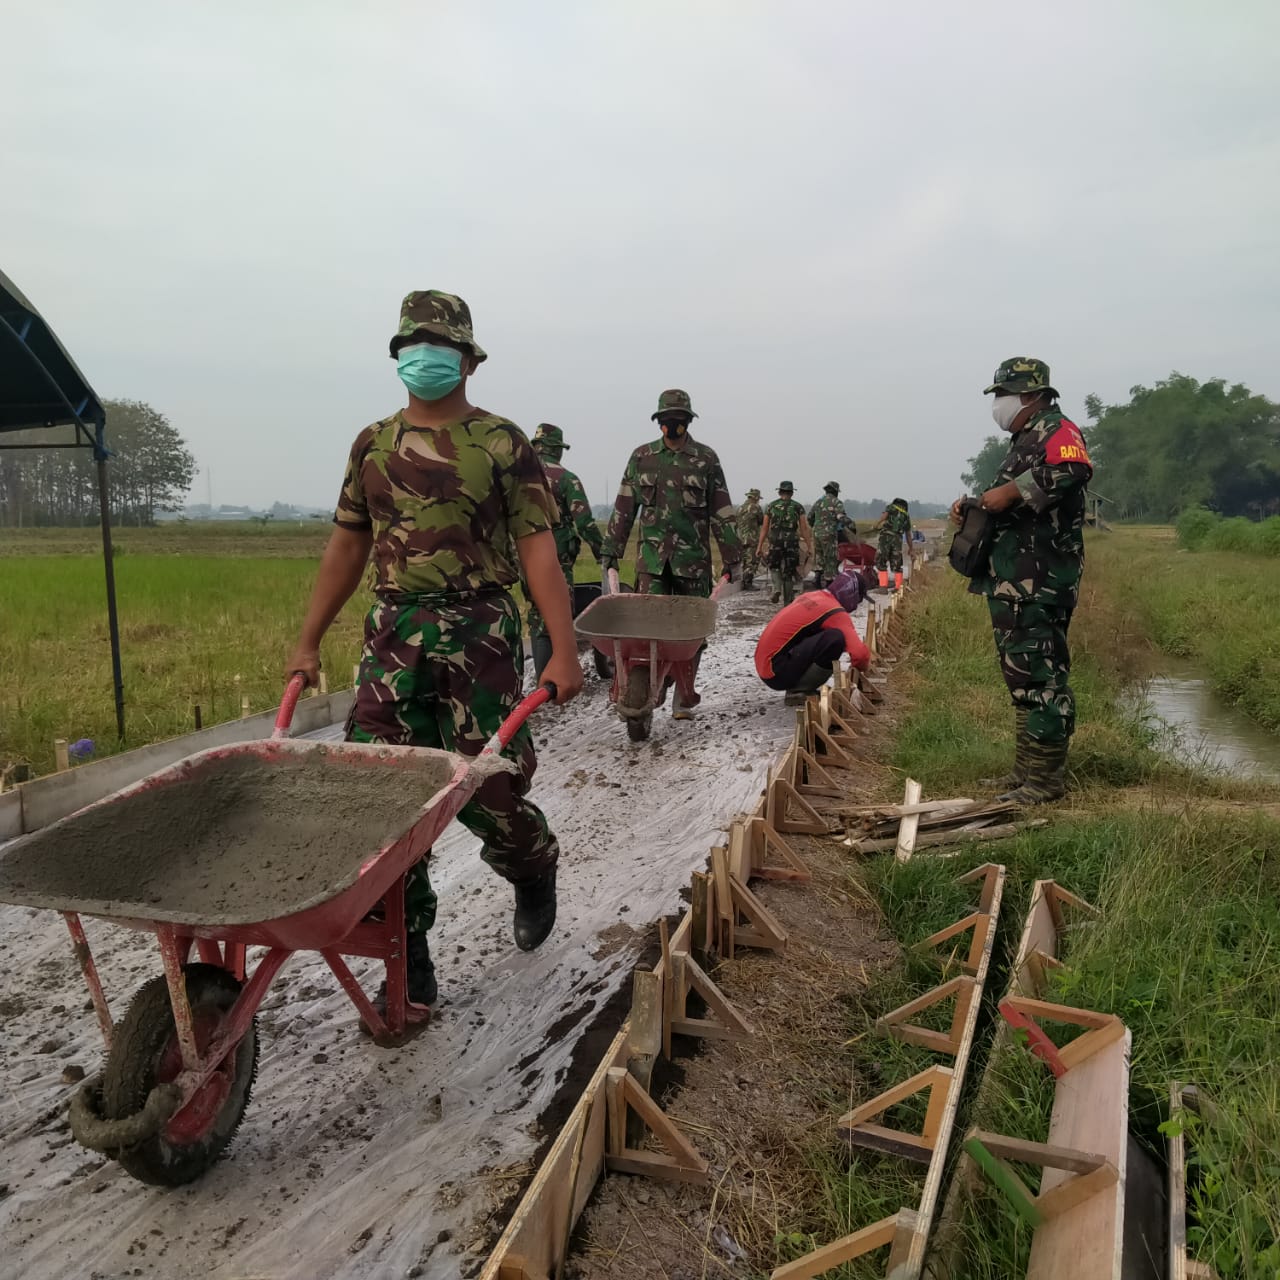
(826, 556)
(750, 561)
(889, 551)
(1031, 640)
(668, 583)
(536, 625)
(445, 674)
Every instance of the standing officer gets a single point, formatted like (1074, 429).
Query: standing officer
(748, 522)
(894, 525)
(574, 526)
(677, 487)
(440, 492)
(1033, 579)
(784, 529)
(831, 525)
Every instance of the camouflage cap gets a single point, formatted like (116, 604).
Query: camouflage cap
(786, 487)
(831, 487)
(1019, 374)
(674, 401)
(753, 493)
(549, 435)
(443, 314)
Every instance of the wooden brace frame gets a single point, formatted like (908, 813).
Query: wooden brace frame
(679, 1163)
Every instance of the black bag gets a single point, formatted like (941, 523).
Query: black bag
(971, 547)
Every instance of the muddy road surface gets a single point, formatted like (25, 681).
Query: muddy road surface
(355, 1161)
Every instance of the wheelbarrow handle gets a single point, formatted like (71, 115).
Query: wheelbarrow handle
(292, 692)
(515, 721)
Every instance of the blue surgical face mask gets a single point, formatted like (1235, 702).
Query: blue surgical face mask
(430, 372)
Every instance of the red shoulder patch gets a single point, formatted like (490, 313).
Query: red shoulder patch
(1066, 445)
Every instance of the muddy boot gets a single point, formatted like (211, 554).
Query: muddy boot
(680, 709)
(1046, 778)
(807, 685)
(541, 655)
(748, 582)
(421, 977)
(1018, 775)
(775, 581)
(535, 910)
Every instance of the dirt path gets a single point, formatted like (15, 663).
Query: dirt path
(355, 1161)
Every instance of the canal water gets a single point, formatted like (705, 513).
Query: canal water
(1201, 729)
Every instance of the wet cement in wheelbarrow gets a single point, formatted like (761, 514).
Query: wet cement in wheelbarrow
(238, 842)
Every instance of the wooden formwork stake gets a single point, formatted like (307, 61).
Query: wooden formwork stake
(679, 1163)
(896, 1232)
(765, 839)
(644, 1041)
(700, 922)
(813, 778)
(322, 684)
(894, 1023)
(856, 1127)
(725, 1024)
(758, 926)
(910, 825)
(979, 922)
(722, 923)
(61, 756)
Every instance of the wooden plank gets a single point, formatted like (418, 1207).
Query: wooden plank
(913, 1263)
(890, 1142)
(680, 1162)
(910, 826)
(533, 1239)
(1090, 1113)
(764, 840)
(759, 927)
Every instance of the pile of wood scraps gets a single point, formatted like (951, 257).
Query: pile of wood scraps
(920, 824)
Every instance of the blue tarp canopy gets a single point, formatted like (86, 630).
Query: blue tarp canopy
(40, 384)
(41, 387)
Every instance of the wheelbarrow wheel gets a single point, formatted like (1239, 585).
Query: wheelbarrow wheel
(637, 696)
(145, 1053)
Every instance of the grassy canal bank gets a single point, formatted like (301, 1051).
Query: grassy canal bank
(1182, 864)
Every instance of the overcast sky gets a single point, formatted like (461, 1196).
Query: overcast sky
(829, 221)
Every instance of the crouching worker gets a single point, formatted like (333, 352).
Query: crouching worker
(440, 492)
(802, 644)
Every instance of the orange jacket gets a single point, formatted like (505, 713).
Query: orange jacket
(806, 610)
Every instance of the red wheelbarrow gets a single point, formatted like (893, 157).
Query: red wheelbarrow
(652, 640)
(282, 844)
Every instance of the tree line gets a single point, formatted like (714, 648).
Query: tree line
(1176, 445)
(150, 470)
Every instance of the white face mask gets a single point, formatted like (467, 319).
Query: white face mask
(1004, 409)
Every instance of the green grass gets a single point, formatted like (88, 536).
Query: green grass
(1184, 866)
(1202, 530)
(199, 605)
(1220, 609)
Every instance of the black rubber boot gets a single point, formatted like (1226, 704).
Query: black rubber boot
(1046, 778)
(1018, 775)
(808, 684)
(535, 910)
(420, 984)
(541, 655)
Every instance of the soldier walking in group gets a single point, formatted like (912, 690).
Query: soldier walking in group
(440, 491)
(574, 526)
(894, 525)
(1032, 580)
(784, 530)
(749, 519)
(677, 488)
(831, 526)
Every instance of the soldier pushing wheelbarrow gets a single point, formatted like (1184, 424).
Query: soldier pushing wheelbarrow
(677, 488)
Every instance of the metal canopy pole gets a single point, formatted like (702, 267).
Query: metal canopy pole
(108, 561)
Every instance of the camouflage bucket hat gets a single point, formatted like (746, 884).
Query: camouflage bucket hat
(831, 487)
(674, 401)
(786, 487)
(1019, 374)
(549, 435)
(444, 315)
(753, 493)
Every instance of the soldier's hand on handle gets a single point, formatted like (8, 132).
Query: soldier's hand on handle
(733, 572)
(957, 512)
(565, 672)
(305, 662)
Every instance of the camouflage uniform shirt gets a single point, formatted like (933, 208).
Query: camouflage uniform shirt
(575, 524)
(445, 503)
(784, 515)
(682, 501)
(1038, 551)
(748, 521)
